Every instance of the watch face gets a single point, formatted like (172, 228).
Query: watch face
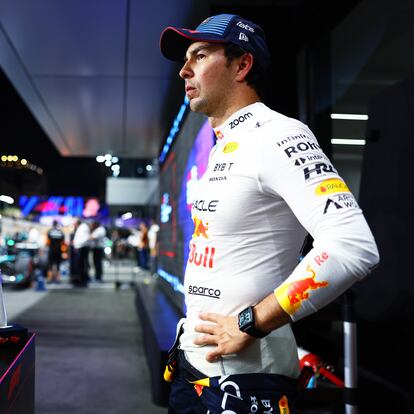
(245, 318)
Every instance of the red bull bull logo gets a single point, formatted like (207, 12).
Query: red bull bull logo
(291, 295)
(200, 229)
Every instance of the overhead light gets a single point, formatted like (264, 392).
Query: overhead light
(100, 158)
(115, 167)
(351, 117)
(10, 158)
(23, 161)
(4, 158)
(108, 157)
(6, 199)
(115, 160)
(340, 141)
(126, 216)
(108, 163)
(149, 167)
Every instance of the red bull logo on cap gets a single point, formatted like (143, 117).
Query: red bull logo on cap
(291, 295)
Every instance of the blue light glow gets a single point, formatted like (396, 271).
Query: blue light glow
(174, 130)
(174, 281)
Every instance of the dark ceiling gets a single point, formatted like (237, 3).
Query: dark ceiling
(83, 78)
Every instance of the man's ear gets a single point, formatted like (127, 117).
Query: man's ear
(244, 66)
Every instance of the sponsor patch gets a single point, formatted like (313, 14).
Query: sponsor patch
(291, 138)
(236, 121)
(291, 295)
(230, 147)
(200, 228)
(284, 405)
(333, 185)
(340, 201)
(204, 291)
(318, 169)
(219, 134)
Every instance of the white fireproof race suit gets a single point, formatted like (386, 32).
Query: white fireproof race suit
(268, 183)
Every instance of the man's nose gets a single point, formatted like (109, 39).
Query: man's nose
(186, 71)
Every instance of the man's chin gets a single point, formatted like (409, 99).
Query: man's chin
(196, 105)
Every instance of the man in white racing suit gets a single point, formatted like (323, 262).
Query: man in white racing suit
(268, 184)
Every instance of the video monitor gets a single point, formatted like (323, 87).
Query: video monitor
(184, 165)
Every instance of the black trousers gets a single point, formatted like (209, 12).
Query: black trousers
(84, 265)
(240, 393)
(98, 255)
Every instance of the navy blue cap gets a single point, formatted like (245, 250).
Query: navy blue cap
(223, 28)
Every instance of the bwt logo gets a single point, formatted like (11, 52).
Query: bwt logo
(234, 122)
(204, 291)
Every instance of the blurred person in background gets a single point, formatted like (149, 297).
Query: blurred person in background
(153, 245)
(55, 240)
(143, 246)
(81, 242)
(97, 237)
(73, 259)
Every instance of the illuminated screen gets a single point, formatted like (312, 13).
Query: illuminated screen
(41, 206)
(183, 167)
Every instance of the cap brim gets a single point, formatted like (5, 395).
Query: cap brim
(174, 42)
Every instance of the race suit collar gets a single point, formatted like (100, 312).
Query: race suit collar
(243, 118)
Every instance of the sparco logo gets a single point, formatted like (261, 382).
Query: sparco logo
(301, 147)
(234, 122)
(204, 291)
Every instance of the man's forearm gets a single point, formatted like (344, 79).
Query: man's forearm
(269, 315)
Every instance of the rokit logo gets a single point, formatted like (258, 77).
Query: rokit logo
(235, 122)
(204, 291)
(302, 147)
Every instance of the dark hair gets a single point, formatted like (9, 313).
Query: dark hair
(255, 78)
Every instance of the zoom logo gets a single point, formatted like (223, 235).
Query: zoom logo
(204, 291)
(236, 121)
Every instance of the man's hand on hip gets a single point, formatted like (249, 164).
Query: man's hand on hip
(224, 333)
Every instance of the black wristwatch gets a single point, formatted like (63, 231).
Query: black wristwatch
(246, 323)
